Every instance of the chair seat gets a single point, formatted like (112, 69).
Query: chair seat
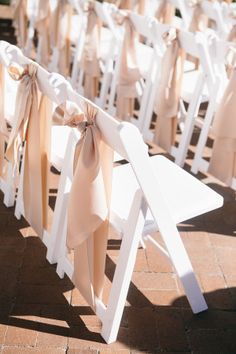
(186, 196)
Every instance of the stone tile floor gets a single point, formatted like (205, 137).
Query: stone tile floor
(41, 313)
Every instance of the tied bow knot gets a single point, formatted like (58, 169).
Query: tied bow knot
(69, 114)
(17, 72)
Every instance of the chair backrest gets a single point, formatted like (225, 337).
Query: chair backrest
(58, 89)
(213, 11)
(144, 49)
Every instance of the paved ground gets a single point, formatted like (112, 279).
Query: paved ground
(40, 313)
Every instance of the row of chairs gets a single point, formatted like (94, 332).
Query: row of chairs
(198, 86)
(148, 193)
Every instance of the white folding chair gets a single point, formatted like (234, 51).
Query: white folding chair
(147, 194)
(148, 60)
(110, 37)
(197, 87)
(214, 12)
(219, 49)
(54, 86)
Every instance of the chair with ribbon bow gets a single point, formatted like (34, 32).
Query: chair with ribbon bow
(96, 51)
(138, 198)
(29, 117)
(136, 70)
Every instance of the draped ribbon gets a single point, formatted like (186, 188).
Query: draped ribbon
(125, 4)
(165, 12)
(54, 24)
(91, 53)
(129, 73)
(42, 26)
(64, 38)
(168, 93)
(32, 127)
(199, 20)
(59, 37)
(89, 199)
(230, 57)
(223, 160)
(20, 18)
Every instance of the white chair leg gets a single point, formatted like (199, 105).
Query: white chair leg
(59, 218)
(184, 270)
(19, 207)
(9, 186)
(124, 270)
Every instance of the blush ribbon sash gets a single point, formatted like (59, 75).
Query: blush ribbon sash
(32, 126)
(168, 93)
(65, 20)
(42, 26)
(165, 12)
(20, 18)
(90, 61)
(223, 160)
(231, 53)
(199, 20)
(89, 199)
(129, 73)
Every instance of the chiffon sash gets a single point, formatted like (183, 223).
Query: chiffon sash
(223, 160)
(42, 26)
(165, 12)
(168, 93)
(91, 54)
(129, 73)
(199, 21)
(65, 18)
(20, 18)
(88, 206)
(32, 127)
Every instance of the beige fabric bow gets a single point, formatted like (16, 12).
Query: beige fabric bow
(129, 73)
(223, 160)
(32, 126)
(90, 61)
(199, 20)
(88, 207)
(165, 12)
(168, 93)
